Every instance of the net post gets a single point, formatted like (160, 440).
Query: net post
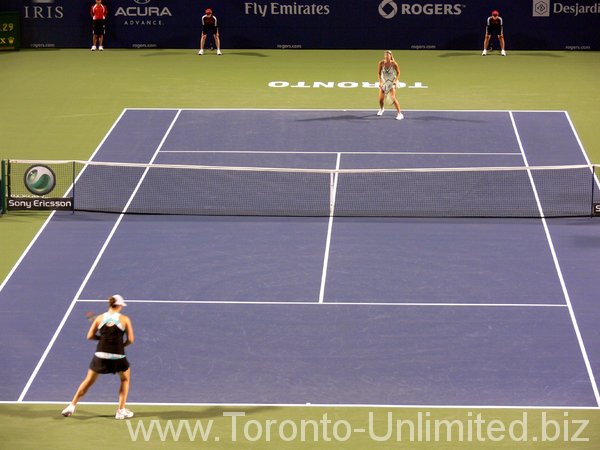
(7, 186)
(73, 188)
(2, 187)
(593, 171)
(595, 178)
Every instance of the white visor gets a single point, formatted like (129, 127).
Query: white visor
(120, 301)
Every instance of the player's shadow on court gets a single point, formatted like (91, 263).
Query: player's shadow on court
(455, 54)
(495, 53)
(208, 53)
(162, 53)
(538, 54)
(166, 414)
(84, 414)
(343, 117)
(199, 413)
(253, 54)
(431, 118)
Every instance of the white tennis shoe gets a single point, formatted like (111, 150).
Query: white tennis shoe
(380, 112)
(400, 116)
(93, 48)
(503, 53)
(484, 52)
(201, 52)
(69, 410)
(123, 413)
(219, 52)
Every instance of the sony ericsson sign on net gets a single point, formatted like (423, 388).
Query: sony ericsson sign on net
(39, 204)
(388, 9)
(39, 180)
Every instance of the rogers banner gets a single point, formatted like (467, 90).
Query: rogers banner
(314, 24)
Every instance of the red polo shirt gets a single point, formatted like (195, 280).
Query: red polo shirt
(99, 11)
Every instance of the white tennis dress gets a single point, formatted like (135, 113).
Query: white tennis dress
(388, 75)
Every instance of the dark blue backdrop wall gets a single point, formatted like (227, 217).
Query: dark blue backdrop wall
(324, 24)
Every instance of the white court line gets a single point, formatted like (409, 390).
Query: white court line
(329, 229)
(311, 405)
(304, 152)
(558, 270)
(336, 303)
(92, 268)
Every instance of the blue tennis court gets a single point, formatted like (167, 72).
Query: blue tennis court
(321, 310)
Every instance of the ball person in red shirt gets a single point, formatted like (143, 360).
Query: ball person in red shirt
(494, 25)
(209, 24)
(99, 13)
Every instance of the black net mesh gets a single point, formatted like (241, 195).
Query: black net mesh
(565, 191)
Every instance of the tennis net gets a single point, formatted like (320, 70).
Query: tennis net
(551, 191)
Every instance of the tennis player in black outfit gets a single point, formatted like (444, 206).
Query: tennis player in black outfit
(109, 329)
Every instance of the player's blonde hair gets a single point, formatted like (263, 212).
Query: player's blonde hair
(390, 53)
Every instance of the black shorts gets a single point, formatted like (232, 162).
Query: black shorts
(494, 29)
(210, 29)
(99, 27)
(100, 365)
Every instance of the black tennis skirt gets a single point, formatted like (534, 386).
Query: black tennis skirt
(100, 365)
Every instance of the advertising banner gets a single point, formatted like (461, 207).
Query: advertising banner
(37, 187)
(314, 24)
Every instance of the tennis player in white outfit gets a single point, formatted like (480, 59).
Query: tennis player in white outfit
(388, 73)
